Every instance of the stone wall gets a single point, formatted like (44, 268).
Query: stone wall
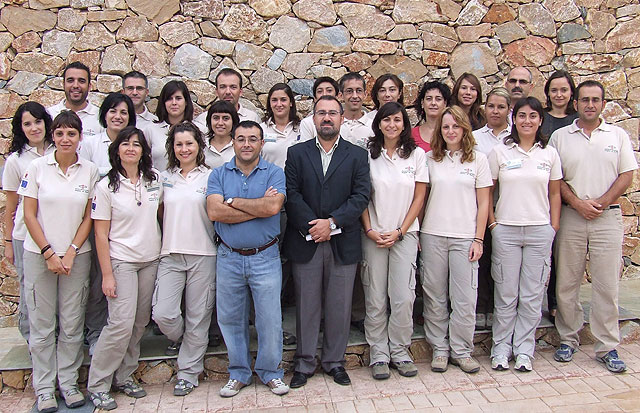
(272, 41)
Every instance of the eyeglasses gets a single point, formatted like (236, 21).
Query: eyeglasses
(516, 81)
(135, 88)
(252, 140)
(323, 113)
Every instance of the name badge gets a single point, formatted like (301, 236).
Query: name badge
(270, 138)
(513, 164)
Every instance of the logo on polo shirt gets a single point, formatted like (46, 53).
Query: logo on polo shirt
(611, 149)
(82, 188)
(202, 190)
(468, 171)
(24, 182)
(544, 166)
(409, 170)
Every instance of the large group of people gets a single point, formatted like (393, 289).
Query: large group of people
(116, 216)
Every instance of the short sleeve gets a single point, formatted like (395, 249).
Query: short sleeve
(94, 178)
(101, 205)
(556, 166)
(627, 160)
(277, 180)
(307, 130)
(483, 173)
(11, 175)
(214, 183)
(86, 147)
(494, 165)
(29, 184)
(422, 172)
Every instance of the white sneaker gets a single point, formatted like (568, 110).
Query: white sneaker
(500, 363)
(232, 388)
(278, 387)
(523, 363)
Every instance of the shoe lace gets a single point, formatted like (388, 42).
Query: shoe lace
(46, 396)
(613, 354)
(231, 384)
(71, 392)
(277, 382)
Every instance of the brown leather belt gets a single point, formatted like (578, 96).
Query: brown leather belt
(251, 251)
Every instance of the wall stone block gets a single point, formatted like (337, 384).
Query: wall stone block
(206, 9)
(137, 29)
(290, 34)
(537, 19)
(159, 11)
(375, 46)
(474, 58)
(532, 51)
(331, 39)
(299, 63)
(417, 11)
(175, 34)
(71, 19)
(242, 23)
(57, 43)
(19, 20)
(472, 13)
(364, 20)
(116, 60)
(151, 59)
(26, 42)
(319, 11)
(356, 61)
(562, 10)
(624, 36)
(47, 4)
(25, 82)
(38, 63)
(407, 69)
(270, 8)
(499, 13)
(570, 32)
(93, 36)
(218, 46)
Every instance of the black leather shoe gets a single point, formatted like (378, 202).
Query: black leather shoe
(299, 379)
(215, 340)
(288, 339)
(340, 376)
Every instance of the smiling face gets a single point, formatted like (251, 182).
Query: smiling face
(33, 128)
(176, 105)
(388, 92)
(589, 103)
(280, 104)
(467, 94)
(66, 139)
(392, 126)
(433, 103)
(117, 118)
(136, 89)
(325, 88)
(247, 144)
(451, 132)
(496, 110)
(353, 95)
(186, 148)
(228, 88)
(76, 86)
(221, 124)
(559, 93)
(527, 122)
(130, 151)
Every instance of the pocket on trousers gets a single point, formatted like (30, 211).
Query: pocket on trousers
(30, 297)
(474, 274)
(211, 296)
(412, 277)
(496, 270)
(365, 277)
(546, 270)
(154, 298)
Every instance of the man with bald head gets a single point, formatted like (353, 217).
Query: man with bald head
(519, 83)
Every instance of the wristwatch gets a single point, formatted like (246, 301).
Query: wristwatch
(228, 201)
(75, 247)
(332, 224)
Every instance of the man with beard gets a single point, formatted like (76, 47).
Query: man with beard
(77, 79)
(328, 188)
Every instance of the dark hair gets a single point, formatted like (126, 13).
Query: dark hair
(144, 165)
(328, 97)
(476, 117)
(134, 74)
(227, 71)
(325, 79)
(222, 106)
(589, 83)
(378, 84)
(406, 144)
(293, 114)
(171, 138)
(438, 144)
(350, 76)
(249, 124)
(534, 104)
(167, 91)
(559, 74)
(77, 65)
(19, 138)
(111, 101)
(444, 91)
(68, 119)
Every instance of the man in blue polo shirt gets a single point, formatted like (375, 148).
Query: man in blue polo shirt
(244, 198)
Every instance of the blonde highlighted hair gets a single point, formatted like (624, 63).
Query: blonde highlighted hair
(438, 144)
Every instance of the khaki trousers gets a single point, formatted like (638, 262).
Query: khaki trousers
(117, 351)
(601, 238)
(49, 295)
(388, 276)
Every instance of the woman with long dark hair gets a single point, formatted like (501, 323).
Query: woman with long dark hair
(174, 106)
(387, 88)
(31, 129)
(451, 238)
(188, 261)
(560, 91)
(281, 124)
(125, 213)
(57, 190)
(527, 216)
(467, 93)
(433, 98)
(399, 174)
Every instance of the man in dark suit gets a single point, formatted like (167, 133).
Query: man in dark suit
(328, 187)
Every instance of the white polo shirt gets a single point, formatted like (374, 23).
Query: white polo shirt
(357, 131)
(14, 168)
(62, 199)
(145, 118)
(156, 134)
(590, 165)
(96, 149)
(452, 207)
(89, 117)
(486, 140)
(215, 158)
(133, 211)
(243, 113)
(186, 227)
(393, 181)
(276, 142)
(524, 182)
(308, 128)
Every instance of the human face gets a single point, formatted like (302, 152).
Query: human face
(33, 128)
(280, 104)
(353, 95)
(527, 122)
(433, 103)
(247, 144)
(325, 88)
(221, 124)
(185, 148)
(136, 89)
(451, 132)
(327, 119)
(496, 110)
(76, 86)
(388, 92)
(518, 83)
(589, 103)
(559, 93)
(176, 105)
(117, 118)
(392, 126)
(228, 89)
(130, 151)
(66, 139)
(467, 94)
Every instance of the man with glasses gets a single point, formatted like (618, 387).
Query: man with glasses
(244, 198)
(136, 86)
(355, 128)
(519, 83)
(597, 165)
(328, 188)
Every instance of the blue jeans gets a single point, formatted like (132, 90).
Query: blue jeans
(236, 276)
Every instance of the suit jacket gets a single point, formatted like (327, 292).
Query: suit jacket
(343, 193)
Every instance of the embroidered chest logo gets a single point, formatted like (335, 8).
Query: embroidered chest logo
(410, 170)
(469, 172)
(611, 149)
(202, 190)
(544, 166)
(82, 188)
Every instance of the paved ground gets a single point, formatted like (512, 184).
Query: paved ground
(581, 386)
